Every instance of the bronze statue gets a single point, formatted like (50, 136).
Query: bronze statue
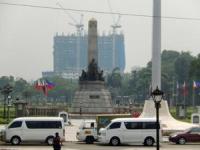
(92, 74)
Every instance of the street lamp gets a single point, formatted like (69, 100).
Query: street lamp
(80, 111)
(6, 90)
(157, 96)
(8, 105)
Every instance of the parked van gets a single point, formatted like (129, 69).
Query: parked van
(41, 129)
(129, 130)
(87, 131)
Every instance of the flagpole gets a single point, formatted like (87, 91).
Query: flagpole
(177, 92)
(193, 93)
(193, 98)
(184, 92)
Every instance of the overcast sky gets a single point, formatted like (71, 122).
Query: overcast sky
(26, 34)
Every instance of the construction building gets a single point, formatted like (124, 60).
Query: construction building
(70, 54)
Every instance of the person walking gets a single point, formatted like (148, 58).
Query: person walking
(56, 142)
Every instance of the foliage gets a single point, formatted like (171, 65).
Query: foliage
(194, 72)
(175, 67)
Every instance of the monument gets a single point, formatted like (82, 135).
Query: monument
(168, 123)
(92, 97)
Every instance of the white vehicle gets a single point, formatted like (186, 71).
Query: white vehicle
(41, 129)
(87, 131)
(65, 117)
(129, 130)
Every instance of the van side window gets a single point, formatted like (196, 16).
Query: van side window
(43, 124)
(115, 125)
(133, 125)
(16, 124)
(149, 125)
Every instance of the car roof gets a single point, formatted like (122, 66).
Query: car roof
(134, 119)
(39, 118)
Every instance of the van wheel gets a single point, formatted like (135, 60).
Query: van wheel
(89, 140)
(114, 141)
(49, 140)
(182, 141)
(149, 141)
(15, 140)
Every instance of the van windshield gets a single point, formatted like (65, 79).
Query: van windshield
(16, 124)
(115, 125)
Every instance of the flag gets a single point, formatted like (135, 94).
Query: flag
(49, 85)
(44, 86)
(177, 85)
(197, 84)
(194, 85)
(184, 89)
(38, 85)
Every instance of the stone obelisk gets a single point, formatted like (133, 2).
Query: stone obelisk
(92, 41)
(92, 97)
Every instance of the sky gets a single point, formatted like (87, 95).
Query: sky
(26, 33)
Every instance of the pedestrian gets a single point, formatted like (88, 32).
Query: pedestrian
(56, 142)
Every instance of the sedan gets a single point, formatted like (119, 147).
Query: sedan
(189, 135)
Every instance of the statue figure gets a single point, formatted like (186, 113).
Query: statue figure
(101, 78)
(83, 76)
(92, 71)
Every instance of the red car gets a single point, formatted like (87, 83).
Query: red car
(189, 135)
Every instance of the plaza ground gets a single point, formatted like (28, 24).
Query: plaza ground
(83, 146)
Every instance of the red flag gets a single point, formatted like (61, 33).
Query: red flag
(184, 89)
(38, 85)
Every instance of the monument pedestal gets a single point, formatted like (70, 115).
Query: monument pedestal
(92, 98)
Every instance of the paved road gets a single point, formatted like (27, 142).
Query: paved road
(72, 144)
(82, 146)
(70, 134)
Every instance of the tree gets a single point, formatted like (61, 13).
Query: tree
(194, 71)
(182, 66)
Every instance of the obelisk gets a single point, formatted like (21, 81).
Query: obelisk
(92, 41)
(92, 97)
(156, 45)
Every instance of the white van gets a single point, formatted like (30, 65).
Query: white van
(41, 129)
(87, 131)
(129, 130)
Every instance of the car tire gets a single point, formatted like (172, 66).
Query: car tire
(15, 140)
(89, 140)
(181, 141)
(115, 141)
(49, 140)
(149, 141)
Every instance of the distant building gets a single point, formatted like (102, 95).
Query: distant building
(69, 61)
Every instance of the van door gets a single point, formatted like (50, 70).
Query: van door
(14, 129)
(114, 130)
(132, 132)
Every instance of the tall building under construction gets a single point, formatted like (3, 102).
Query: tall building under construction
(70, 54)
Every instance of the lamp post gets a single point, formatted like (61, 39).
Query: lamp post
(6, 90)
(80, 111)
(157, 96)
(8, 105)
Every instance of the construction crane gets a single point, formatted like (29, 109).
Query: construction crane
(79, 25)
(79, 28)
(114, 26)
